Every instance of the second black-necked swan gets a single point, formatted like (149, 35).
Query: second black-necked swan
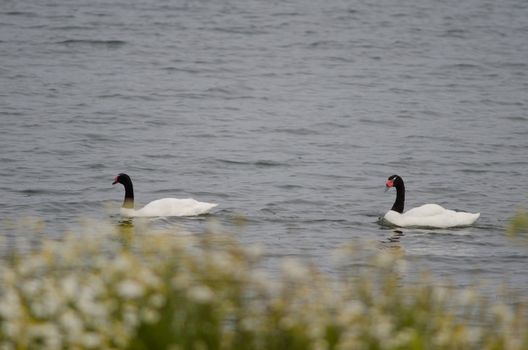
(427, 215)
(160, 207)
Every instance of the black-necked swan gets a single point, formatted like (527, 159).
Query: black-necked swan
(427, 215)
(160, 207)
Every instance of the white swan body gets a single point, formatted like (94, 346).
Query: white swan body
(431, 215)
(160, 207)
(428, 215)
(170, 207)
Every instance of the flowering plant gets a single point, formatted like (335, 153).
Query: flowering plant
(123, 289)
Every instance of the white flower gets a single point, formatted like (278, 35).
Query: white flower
(503, 312)
(150, 316)
(181, 281)
(441, 339)
(7, 275)
(71, 323)
(50, 301)
(31, 288)
(148, 278)
(89, 305)
(221, 261)
(382, 328)
(200, 294)
(30, 265)
(130, 317)
(157, 300)
(255, 251)
(441, 294)
(130, 289)
(7, 346)
(69, 287)
(473, 334)
(467, 297)
(122, 263)
(293, 269)
(44, 336)
(351, 311)
(91, 340)
(10, 305)
(401, 339)
(11, 329)
(386, 259)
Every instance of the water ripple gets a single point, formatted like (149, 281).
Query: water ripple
(292, 115)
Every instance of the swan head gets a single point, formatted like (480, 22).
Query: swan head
(393, 181)
(397, 182)
(125, 180)
(122, 179)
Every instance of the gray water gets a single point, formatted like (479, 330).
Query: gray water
(289, 113)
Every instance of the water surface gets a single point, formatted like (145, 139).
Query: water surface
(290, 113)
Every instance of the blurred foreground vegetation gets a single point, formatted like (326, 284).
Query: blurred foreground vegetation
(124, 289)
(519, 226)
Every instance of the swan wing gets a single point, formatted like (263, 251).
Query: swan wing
(431, 215)
(173, 207)
(425, 210)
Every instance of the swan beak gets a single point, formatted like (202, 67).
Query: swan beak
(389, 184)
(386, 188)
(113, 183)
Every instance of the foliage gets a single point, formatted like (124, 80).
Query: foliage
(519, 225)
(169, 290)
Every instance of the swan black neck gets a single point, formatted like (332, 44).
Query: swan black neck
(400, 195)
(129, 196)
(125, 180)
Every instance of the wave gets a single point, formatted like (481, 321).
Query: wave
(93, 42)
(258, 163)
